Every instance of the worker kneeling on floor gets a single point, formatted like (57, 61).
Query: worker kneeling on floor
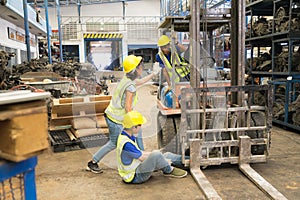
(136, 166)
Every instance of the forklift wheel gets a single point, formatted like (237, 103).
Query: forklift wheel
(167, 128)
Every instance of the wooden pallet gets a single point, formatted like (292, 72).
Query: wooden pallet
(65, 110)
(61, 142)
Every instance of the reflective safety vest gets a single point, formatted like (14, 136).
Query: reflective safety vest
(181, 70)
(127, 172)
(115, 111)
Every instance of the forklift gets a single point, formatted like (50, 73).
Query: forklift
(216, 122)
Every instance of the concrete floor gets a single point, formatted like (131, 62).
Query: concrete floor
(62, 175)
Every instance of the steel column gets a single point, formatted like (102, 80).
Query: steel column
(79, 11)
(59, 30)
(237, 53)
(195, 44)
(124, 9)
(48, 32)
(27, 37)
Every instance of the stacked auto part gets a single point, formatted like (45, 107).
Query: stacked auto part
(4, 71)
(276, 35)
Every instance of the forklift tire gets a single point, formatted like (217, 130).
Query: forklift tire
(167, 128)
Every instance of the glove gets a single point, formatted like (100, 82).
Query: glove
(156, 68)
(167, 89)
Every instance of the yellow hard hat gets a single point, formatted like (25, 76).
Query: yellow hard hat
(163, 40)
(131, 62)
(133, 118)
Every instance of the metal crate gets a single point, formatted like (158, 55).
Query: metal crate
(17, 179)
(13, 188)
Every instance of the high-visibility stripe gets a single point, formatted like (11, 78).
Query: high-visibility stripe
(102, 35)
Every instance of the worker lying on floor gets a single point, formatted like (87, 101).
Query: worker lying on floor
(135, 165)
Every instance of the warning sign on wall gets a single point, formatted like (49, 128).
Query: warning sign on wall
(102, 35)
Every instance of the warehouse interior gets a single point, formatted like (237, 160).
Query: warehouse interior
(235, 121)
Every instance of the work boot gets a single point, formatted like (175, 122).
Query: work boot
(93, 167)
(177, 173)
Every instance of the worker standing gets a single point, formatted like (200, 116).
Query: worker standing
(123, 100)
(164, 57)
(134, 164)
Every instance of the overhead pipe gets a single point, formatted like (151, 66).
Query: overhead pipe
(48, 32)
(161, 9)
(59, 30)
(27, 37)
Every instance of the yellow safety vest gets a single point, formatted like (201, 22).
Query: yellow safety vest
(127, 172)
(115, 111)
(182, 71)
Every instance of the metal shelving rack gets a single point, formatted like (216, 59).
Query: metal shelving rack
(282, 36)
(291, 92)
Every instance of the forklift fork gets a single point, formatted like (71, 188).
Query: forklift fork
(244, 159)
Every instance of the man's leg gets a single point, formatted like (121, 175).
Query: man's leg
(176, 159)
(154, 162)
(114, 131)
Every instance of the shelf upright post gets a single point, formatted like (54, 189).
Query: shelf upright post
(286, 105)
(48, 32)
(59, 30)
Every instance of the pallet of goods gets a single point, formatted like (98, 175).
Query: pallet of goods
(78, 122)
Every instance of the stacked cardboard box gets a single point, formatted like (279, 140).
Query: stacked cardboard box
(23, 124)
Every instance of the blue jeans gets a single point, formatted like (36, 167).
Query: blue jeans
(114, 131)
(155, 161)
(175, 159)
